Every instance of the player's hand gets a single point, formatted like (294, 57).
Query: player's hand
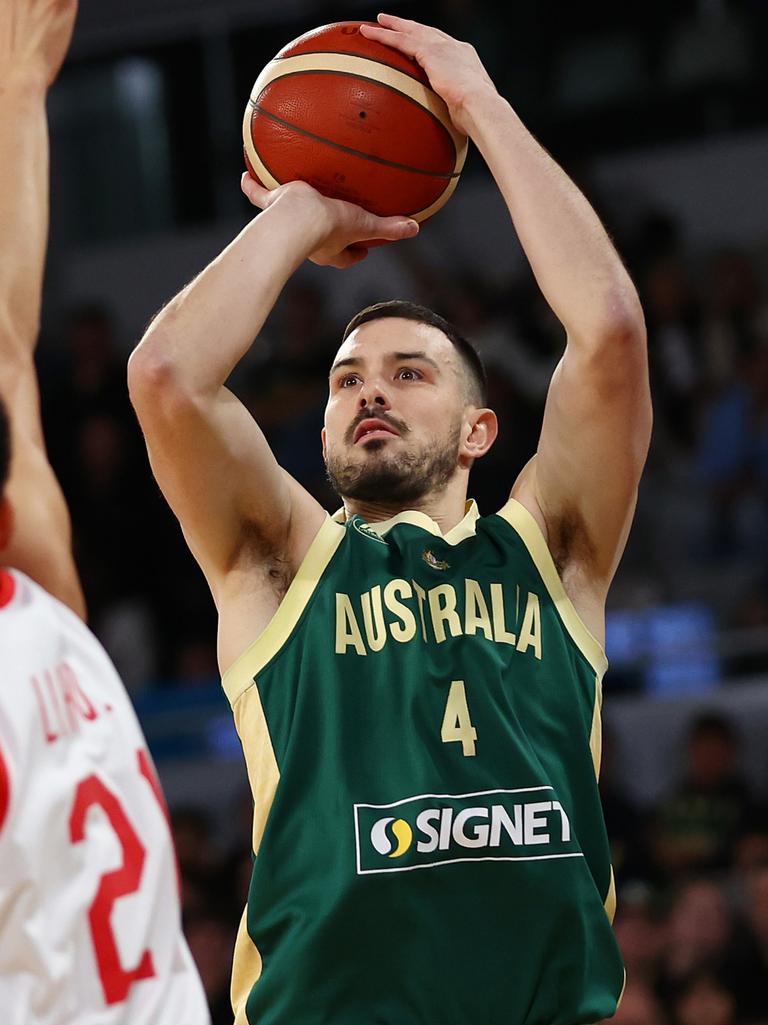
(454, 69)
(345, 225)
(34, 38)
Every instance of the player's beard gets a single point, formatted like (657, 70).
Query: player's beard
(400, 477)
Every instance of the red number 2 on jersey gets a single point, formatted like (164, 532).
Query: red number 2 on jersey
(116, 980)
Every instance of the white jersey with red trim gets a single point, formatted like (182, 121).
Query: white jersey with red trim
(90, 922)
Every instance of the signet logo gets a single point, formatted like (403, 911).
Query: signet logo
(391, 836)
(526, 824)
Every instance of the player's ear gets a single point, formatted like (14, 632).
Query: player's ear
(6, 522)
(322, 439)
(483, 428)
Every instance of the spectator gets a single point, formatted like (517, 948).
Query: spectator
(704, 943)
(641, 933)
(704, 1000)
(733, 313)
(624, 821)
(639, 1006)
(753, 987)
(695, 827)
(673, 322)
(211, 937)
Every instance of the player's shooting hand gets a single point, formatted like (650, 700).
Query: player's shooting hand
(454, 69)
(34, 38)
(344, 225)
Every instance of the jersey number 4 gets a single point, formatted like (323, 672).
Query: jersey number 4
(457, 726)
(116, 979)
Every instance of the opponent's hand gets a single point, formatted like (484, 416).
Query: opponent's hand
(344, 225)
(454, 69)
(34, 38)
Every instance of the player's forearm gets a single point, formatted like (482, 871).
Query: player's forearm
(203, 333)
(23, 210)
(572, 258)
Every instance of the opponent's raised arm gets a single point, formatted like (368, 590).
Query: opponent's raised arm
(208, 454)
(582, 483)
(34, 36)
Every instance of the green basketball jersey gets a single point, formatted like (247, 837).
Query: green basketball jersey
(421, 726)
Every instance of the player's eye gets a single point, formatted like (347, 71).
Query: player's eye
(409, 374)
(348, 379)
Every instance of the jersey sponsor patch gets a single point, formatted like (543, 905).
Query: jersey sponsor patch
(431, 830)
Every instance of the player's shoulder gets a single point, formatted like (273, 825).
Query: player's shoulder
(18, 592)
(26, 604)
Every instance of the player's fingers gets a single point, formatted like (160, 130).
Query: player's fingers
(392, 228)
(399, 40)
(393, 21)
(256, 193)
(404, 24)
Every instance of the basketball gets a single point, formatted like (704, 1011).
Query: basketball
(355, 119)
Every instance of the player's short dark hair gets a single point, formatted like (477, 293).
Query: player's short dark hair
(5, 447)
(477, 382)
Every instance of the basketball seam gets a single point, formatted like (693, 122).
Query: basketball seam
(351, 53)
(447, 176)
(457, 139)
(374, 81)
(411, 213)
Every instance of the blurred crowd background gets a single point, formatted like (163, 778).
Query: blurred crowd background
(145, 161)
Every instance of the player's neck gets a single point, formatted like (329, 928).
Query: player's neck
(446, 508)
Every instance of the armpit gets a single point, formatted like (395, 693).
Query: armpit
(570, 543)
(266, 560)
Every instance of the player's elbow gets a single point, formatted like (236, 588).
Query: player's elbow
(619, 344)
(148, 373)
(154, 384)
(621, 324)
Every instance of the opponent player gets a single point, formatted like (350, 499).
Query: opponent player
(89, 909)
(416, 687)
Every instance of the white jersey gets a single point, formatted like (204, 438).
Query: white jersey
(90, 922)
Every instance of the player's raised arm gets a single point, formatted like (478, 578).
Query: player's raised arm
(209, 456)
(34, 36)
(582, 484)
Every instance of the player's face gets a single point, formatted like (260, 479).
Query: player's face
(394, 417)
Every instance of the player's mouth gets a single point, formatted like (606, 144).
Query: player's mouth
(368, 430)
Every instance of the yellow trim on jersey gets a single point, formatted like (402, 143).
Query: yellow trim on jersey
(518, 517)
(610, 900)
(246, 970)
(244, 669)
(465, 528)
(260, 761)
(596, 733)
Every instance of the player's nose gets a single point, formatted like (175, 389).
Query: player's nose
(374, 394)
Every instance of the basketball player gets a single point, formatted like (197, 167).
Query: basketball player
(416, 686)
(90, 928)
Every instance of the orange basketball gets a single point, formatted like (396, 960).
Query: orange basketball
(357, 120)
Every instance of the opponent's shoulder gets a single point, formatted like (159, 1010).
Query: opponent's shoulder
(22, 596)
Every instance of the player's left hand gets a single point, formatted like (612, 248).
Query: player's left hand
(454, 69)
